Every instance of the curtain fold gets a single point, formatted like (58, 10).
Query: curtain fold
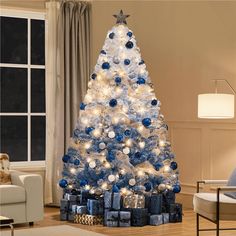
(67, 72)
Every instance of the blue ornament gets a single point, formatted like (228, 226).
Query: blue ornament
(103, 52)
(113, 102)
(111, 35)
(173, 165)
(141, 62)
(93, 76)
(76, 162)
(146, 122)
(176, 188)
(82, 106)
(137, 155)
(127, 132)
(126, 62)
(105, 65)
(65, 158)
(148, 186)
(63, 183)
(118, 80)
(115, 188)
(119, 137)
(129, 44)
(83, 182)
(110, 156)
(130, 34)
(141, 80)
(158, 166)
(88, 130)
(154, 102)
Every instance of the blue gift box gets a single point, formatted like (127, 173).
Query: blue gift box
(117, 218)
(82, 210)
(167, 199)
(156, 220)
(112, 200)
(95, 206)
(175, 217)
(71, 203)
(63, 215)
(74, 209)
(70, 197)
(156, 204)
(139, 216)
(84, 196)
(64, 205)
(159, 219)
(71, 216)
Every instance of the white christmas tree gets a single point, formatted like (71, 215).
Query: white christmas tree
(120, 142)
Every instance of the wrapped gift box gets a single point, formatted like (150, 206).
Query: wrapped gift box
(71, 203)
(112, 200)
(156, 204)
(84, 196)
(168, 198)
(70, 197)
(64, 205)
(63, 215)
(134, 201)
(159, 219)
(174, 217)
(88, 219)
(139, 216)
(82, 210)
(95, 206)
(156, 220)
(71, 216)
(117, 218)
(165, 218)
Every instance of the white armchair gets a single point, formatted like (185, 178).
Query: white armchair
(23, 200)
(215, 206)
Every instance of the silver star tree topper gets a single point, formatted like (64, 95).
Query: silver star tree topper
(121, 18)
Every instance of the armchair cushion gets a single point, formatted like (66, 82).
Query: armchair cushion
(205, 204)
(232, 182)
(10, 194)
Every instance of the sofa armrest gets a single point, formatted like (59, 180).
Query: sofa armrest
(33, 185)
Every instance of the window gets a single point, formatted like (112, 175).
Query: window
(22, 80)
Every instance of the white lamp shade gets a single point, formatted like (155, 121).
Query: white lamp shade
(216, 106)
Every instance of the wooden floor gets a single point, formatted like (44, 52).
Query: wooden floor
(186, 228)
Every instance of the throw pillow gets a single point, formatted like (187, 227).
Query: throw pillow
(232, 182)
(5, 177)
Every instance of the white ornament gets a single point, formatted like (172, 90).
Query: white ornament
(126, 150)
(102, 146)
(161, 187)
(132, 182)
(92, 164)
(111, 134)
(111, 178)
(141, 144)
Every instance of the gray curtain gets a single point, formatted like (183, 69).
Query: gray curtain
(74, 48)
(68, 45)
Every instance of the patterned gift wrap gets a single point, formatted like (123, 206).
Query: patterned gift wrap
(88, 219)
(159, 219)
(168, 197)
(95, 207)
(134, 201)
(112, 200)
(139, 216)
(117, 218)
(156, 204)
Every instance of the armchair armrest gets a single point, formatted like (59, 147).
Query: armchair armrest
(33, 185)
(227, 189)
(217, 182)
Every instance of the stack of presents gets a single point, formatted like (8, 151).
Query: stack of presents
(114, 210)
